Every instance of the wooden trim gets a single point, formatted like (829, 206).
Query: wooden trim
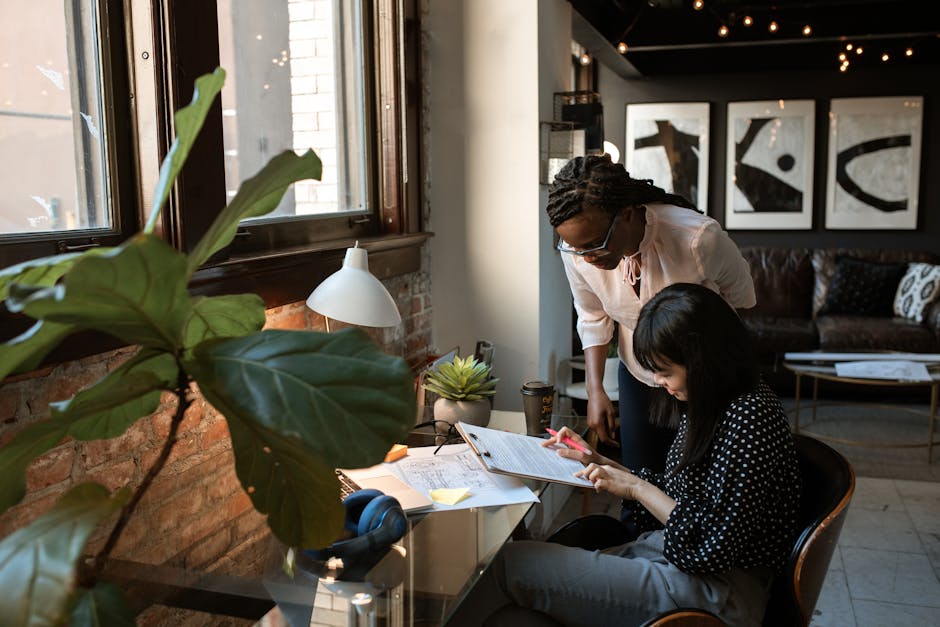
(388, 115)
(290, 276)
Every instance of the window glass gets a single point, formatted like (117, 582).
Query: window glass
(296, 81)
(52, 137)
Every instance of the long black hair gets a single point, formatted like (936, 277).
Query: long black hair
(692, 326)
(595, 181)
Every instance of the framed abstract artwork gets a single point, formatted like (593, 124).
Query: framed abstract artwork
(874, 162)
(770, 165)
(668, 143)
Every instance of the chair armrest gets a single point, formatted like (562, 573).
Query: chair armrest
(685, 617)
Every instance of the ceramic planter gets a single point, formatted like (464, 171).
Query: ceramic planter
(471, 412)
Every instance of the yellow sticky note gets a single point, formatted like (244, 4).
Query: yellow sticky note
(449, 496)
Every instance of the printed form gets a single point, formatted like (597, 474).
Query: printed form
(455, 467)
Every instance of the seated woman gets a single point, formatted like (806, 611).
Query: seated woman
(721, 519)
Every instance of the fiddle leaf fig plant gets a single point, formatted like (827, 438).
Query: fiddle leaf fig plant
(293, 400)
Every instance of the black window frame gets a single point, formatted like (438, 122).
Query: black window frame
(296, 248)
(284, 270)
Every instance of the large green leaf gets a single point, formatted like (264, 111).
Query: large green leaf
(189, 121)
(257, 196)
(102, 411)
(223, 316)
(43, 272)
(137, 293)
(26, 351)
(345, 399)
(16, 455)
(37, 562)
(108, 408)
(299, 493)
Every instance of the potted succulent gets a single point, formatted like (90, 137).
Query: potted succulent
(138, 293)
(464, 387)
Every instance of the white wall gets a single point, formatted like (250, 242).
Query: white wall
(493, 274)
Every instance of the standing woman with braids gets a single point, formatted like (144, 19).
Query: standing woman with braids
(623, 240)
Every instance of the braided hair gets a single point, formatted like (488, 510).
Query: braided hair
(594, 181)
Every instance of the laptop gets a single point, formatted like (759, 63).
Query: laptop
(379, 477)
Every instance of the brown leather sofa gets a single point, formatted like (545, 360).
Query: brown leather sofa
(791, 286)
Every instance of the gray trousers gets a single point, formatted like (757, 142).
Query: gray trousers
(624, 585)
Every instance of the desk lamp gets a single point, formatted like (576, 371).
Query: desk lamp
(352, 294)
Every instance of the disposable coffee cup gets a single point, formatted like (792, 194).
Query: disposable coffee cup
(538, 402)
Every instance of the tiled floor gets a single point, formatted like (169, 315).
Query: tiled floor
(886, 568)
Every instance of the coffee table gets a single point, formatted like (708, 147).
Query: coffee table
(827, 372)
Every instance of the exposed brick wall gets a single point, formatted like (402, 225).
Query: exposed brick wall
(195, 514)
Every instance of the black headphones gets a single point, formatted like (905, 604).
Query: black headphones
(375, 521)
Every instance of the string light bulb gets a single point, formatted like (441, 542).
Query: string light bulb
(622, 47)
(748, 20)
(698, 5)
(885, 56)
(841, 56)
(807, 30)
(585, 59)
(773, 27)
(849, 47)
(723, 31)
(858, 50)
(909, 52)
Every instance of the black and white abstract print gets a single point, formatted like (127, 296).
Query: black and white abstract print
(770, 163)
(874, 161)
(668, 143)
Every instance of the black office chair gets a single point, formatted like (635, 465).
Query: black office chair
(828, 485)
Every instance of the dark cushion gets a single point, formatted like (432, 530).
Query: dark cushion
(863, 288)
(824, 264)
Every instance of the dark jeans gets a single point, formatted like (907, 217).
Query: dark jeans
(642, 445)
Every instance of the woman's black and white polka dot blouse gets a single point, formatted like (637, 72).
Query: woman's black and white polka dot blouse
(739, 507)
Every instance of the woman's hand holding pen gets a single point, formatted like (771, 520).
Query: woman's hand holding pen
(584, 454)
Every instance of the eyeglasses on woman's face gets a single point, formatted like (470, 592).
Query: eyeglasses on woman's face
(594, 251)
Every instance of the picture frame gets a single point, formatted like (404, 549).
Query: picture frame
(769, 164)
(874, 161)
(668, 143)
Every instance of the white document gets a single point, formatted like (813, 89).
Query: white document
(455, 466)
(896, 370)
(521, 455)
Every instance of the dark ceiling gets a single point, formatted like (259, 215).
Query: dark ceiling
(670, 37)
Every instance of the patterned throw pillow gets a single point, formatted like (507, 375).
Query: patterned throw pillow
(863, 288)
(919, 287)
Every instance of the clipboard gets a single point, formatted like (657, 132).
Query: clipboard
(520, 455)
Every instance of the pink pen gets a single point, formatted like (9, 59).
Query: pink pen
(569, 442)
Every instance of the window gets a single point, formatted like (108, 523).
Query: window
(60, 122)
(323, 74)
(297, 81)
(331, 75)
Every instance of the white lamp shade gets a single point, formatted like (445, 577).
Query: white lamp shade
(353, 295)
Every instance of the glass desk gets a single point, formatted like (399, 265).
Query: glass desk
(421, 581)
